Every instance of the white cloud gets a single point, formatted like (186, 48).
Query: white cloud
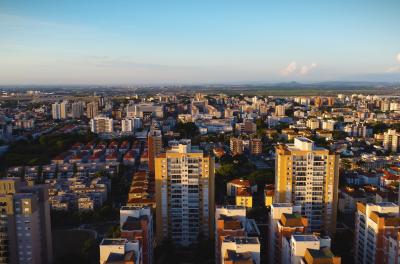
(398, 57)
(305, 69)
(291, 68)
(294, 69)
(393, 69)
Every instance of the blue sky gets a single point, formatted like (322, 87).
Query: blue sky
(152, 42)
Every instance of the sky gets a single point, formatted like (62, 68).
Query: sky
(195, 42)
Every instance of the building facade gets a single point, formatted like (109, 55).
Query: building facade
(376, 225)
(25, 227)
(308, 175)
(184, 194)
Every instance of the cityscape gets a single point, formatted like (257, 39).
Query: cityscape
(191, 132)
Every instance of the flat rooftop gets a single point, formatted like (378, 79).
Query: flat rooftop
(305, 238)
(113, 241)
(242, 240)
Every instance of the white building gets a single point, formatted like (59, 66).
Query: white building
(240, 248)
(101, 124)
(127, 125)
(145, 111)
(295, 249)
(277, 230)
(120, 249)
(376, 225)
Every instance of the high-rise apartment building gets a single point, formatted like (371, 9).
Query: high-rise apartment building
(92, 110)
(127, 125)
(59, 110)
(284, 220)
(101, 124)
(255, 146)
(318, 102)
(308, 175)
(280, 110)
(155, 146)
(236, 146)
(25, 227)
(313, 123)
(331, 101)
(356, 130)
(377, 233)
(391, 140)
(184, 193)
(77, 110)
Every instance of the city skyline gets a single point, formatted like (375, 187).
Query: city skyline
(71, 42)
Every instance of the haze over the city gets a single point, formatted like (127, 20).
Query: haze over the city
(155, 42)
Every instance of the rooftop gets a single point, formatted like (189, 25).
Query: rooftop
(113, 241)
(305, 238)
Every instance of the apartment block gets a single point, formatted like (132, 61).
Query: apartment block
(59, 110)
(101, 124)
(25, 227)
(136, 224)
(391, 140)
(155, 146)
(308, 249)
(308, 175)
(231, 221)
(236, 146)
(255, 146)
(92, 110)
(377, 232)
(184, 193)
(284, 220)
(76, 110)
(280, 110)
(240, 250)
(120, 250)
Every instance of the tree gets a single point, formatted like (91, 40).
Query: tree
(187, 130)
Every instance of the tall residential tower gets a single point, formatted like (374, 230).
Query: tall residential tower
(184, 193)
(308, 175)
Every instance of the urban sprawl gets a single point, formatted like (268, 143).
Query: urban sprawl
(190, 177)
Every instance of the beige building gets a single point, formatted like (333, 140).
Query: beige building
(313, 123)
(184, 193)
(308, 175)
(280, 110)
(59, 110)
(236, 146)
(391, 140)
(25, 226)
(92, 110)
(255, 146)
(154, 140)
